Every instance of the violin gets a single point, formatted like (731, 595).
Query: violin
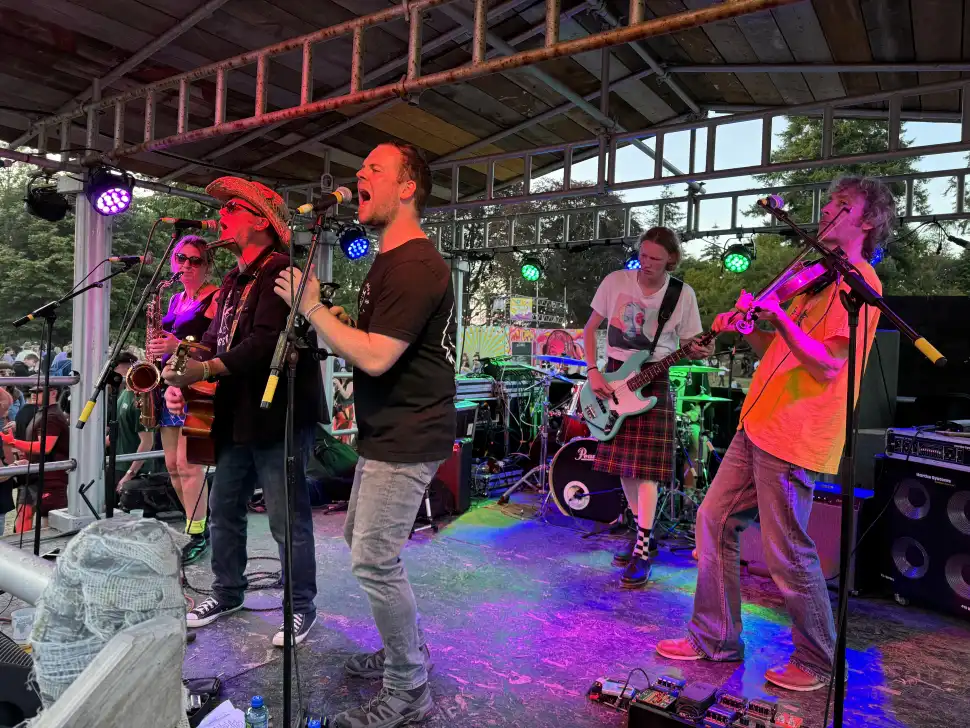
(797, 278)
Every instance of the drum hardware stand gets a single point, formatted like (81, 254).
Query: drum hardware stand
(541, 471)
(624, 522)
(426, 502)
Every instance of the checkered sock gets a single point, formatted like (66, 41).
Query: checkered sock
(643, 538)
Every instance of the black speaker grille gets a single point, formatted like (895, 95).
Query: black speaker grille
(912, 499)
(957, 510)
(958, 574)
(905, 547)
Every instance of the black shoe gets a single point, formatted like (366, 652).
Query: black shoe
(371, 664)
(636, 574)
(195, 548)
(623, 556)
(301, 627)
(652, 548)
(389, 709)
(208, 612)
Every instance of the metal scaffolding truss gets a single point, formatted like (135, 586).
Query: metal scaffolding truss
(613, 224)
(414, 82)
(606, 146)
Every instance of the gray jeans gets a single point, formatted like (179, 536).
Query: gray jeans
(383, 505)
(750, 481)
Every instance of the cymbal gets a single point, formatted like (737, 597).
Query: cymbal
(546, 372)
(561, 360)
(694, 369)
(702, 398)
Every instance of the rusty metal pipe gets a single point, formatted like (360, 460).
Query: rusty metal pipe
(619, 36)
(248, 58)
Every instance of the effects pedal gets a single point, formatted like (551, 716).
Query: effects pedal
(612, 693)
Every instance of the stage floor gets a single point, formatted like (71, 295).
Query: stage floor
(522, 615)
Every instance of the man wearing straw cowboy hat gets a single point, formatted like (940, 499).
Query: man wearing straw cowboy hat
(249, 441)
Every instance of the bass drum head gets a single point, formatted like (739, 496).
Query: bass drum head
(581, 491)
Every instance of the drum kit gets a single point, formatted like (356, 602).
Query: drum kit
(565, 452)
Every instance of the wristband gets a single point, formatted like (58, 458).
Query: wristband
(589, 368)
(313, 310)
(205, 371)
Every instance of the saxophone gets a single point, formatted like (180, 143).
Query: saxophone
(145, 376)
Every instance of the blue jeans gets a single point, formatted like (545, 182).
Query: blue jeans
(239, 469)
(383, 505)
(750, 481)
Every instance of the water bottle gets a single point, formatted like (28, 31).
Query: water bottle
(257, 716)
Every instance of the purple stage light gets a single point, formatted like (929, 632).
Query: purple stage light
(109, 191)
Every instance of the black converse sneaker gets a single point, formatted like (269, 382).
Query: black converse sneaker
(208, 612)
(371, 664)
(301, 627)
(391, 708)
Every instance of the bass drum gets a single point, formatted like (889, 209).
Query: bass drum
(581, 491)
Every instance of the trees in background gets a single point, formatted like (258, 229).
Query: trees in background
(36, 256)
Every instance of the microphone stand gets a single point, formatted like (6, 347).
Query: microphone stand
(860, 294)
(122, 338)
(288, 351)
(49, 313)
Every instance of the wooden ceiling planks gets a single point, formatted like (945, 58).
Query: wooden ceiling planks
(803, 35)
(845, 29)
(938, 36)
(734, 47)
(650, 107)
(699, 49)
(890, 26)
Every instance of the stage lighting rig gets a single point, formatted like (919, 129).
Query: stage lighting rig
(737, 258)
(44, 201)
(632, 263)
(353, 241)
(531, 269)
(109, 190)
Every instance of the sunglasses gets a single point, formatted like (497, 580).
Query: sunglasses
(232, 207)
(193, 260)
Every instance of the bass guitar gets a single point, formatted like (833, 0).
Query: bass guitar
(200, 448)
(604, 415)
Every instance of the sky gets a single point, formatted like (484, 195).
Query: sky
(739, 145)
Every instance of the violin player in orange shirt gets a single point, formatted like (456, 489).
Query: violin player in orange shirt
(791, 428)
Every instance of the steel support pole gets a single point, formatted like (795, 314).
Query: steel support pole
(459, 268)
(89, 338)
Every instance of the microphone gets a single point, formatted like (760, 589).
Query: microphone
(339, 195)
(146, 259)
(772, 202)
(194, 224)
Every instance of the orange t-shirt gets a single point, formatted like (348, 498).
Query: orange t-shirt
(787, 412)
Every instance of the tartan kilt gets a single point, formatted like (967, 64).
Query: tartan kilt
(644, 446)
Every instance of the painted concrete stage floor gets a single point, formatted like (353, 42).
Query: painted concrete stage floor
(522, 615)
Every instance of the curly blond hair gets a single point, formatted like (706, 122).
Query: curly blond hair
(880, 209)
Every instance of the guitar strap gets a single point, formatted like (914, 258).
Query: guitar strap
(667, 306)
(237, 314)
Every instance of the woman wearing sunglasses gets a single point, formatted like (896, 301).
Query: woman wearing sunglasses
(189, 313)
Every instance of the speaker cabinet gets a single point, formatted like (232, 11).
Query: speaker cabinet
(927, 544)
(824, 528)
(18, 701)
(451, 486)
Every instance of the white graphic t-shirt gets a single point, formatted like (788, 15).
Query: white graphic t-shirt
(632, 317)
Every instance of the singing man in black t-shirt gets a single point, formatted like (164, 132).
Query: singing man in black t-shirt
(403, 352)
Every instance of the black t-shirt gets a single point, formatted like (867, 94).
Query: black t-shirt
(407, 414)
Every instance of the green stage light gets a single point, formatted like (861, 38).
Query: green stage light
(531, 269)
(737, 258)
